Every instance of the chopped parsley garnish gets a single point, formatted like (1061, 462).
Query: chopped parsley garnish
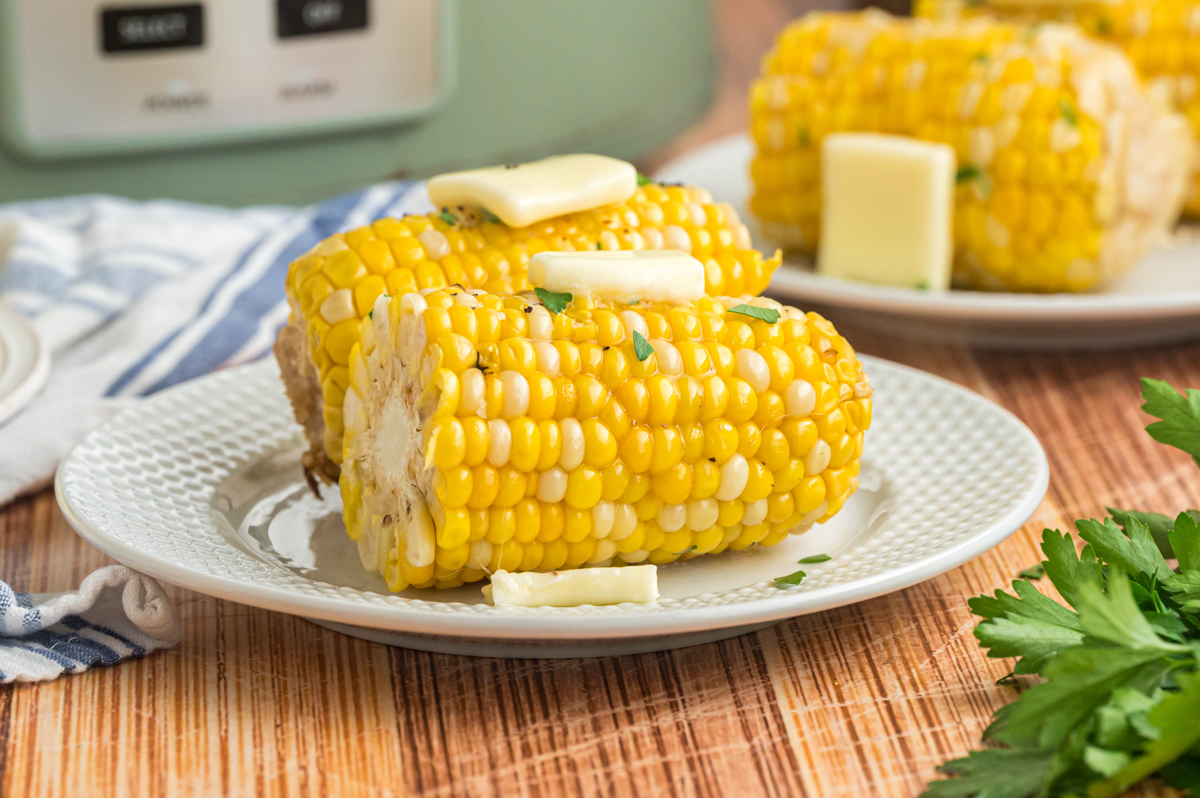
(790, 579)
(1112, 681)
(922, 285)
(554, 302)
(641, 347)
(447, 217)
(598, 245)
(643, 180)
(968, 172)
(1068, 113)
(1033, 572)
(814, 559)
(371, 313)
(1103, 26)
(491, 217)
(803, 136)
(973, 174)
(769, 315)
(981, 58)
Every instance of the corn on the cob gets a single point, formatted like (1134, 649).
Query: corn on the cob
(487, 433)
(1067, 171)
(333, 288)
(1161, 38)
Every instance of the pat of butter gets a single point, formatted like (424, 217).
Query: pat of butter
(655, 275)
(635, 583)
(887, 210)
(531, 192)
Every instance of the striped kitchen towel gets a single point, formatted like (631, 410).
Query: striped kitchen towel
(134, 297)
(115, 614)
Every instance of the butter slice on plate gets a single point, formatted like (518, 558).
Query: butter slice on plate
(635, 583)
(887, 210)
(655, 275)
(521, 194)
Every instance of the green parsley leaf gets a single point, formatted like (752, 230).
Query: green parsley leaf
(922, 285)
(1185, 590)
(1159, 525)
(1185, 542)
(1183, 774)
(641, 347)
(643, 180)
(1033, 572)
(790, 579)
(491, 217)
(1180, 425)
(803, 136)
(447, 217)
(1068, 113)
(1113, 615)
(814, 559)
(597, 245)
(1136, 554)
(1066, 571)
(1104, 761)
(1103, 26)
(1078, 680)
(769, 315)
(994, 772)
(1029, 625)
(1175, 716)
(553, 302)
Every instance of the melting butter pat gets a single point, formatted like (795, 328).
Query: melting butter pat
(655, 275)
(525, 193)
(637, 584)
(887, 210)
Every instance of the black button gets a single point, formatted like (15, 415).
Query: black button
(308, 17)
(152, 27)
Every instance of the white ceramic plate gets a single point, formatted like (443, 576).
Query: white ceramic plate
(24, 363)
(200, 486)
(1158, 301)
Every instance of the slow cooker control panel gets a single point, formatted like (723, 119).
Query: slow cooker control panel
(94, 77)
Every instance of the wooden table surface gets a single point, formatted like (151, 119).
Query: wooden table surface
(860, 701)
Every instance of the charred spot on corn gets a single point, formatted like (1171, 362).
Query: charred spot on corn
(769, 315)
(641, 347)
(553, 301)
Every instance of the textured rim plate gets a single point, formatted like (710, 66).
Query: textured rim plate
(1156, 302)
(954, 474)
(24, 363)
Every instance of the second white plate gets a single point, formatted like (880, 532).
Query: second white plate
(1158, 301)
(201, 486)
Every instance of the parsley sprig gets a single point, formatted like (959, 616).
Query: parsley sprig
(1118, 699)
(553, 301)
(769, 315)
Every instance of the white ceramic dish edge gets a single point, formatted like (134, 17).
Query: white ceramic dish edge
(633, 621)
